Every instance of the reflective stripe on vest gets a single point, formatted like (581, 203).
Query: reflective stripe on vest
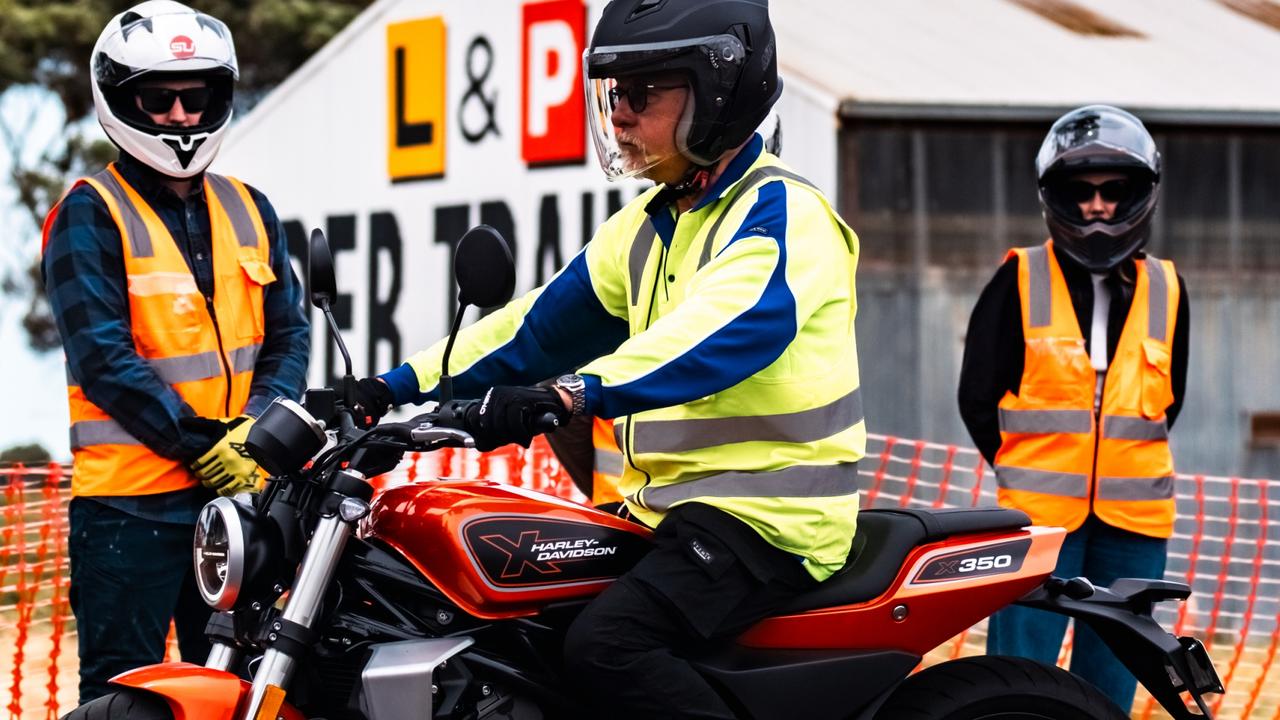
(1057, 461)
(88, 433)
(201, 366)
(608, 463)
(204, 350)
(807, 481)
(1045, 421)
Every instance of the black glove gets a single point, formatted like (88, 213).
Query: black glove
(373, 400)
(512, 414)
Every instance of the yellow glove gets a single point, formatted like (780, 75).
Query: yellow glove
(227, 467)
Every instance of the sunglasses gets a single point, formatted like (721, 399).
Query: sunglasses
(159, 100)
(1112, 191)
(637, 94)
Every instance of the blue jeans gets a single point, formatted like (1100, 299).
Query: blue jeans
(1102, 554)
(129, 578)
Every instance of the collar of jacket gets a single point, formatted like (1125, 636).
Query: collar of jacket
(733, 173)
(150, 184)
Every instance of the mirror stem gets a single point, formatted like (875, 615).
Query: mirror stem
(348, 381)
(446, 382)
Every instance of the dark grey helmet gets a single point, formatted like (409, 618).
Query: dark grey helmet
(1098, 138)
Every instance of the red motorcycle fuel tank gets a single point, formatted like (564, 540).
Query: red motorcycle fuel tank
(500, 551)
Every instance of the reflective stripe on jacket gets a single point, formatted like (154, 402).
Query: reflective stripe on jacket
(1059, 459)
(205, 350)
(726, 352)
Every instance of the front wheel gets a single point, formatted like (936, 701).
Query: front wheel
(124, 705)
(994, 687)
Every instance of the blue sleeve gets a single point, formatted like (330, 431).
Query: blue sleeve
(732, 348)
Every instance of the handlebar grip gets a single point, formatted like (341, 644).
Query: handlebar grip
(453, 414)
(546, 422)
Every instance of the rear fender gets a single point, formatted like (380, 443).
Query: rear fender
(194, 692)
(1176, 671)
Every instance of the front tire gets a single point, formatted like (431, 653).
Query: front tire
(123, 705)
(995, 687)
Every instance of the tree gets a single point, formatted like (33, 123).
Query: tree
(46, 44)
(32, 454)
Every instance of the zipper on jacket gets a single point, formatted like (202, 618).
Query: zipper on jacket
(222, 355)
(1097, 438)
(629, 423)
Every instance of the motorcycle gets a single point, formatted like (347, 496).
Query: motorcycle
(450, 599)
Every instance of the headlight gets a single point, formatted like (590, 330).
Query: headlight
(236, 553)
(284, 437)
(219, 553)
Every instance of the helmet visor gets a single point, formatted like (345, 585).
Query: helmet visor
(1123, 192)
(623, 153)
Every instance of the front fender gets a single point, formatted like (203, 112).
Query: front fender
(195, 692)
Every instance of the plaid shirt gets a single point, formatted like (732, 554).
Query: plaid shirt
(84, 276)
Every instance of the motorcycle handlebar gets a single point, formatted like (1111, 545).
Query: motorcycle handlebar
(450, 426)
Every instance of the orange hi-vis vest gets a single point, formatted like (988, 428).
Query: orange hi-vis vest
(606, 471)
(205, 349)
(1059, 459)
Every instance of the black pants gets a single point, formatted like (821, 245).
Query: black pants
(709, 577)
(129, 577)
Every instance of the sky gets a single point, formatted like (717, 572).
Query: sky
(33, 384)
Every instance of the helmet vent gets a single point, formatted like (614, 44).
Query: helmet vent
(644, 7)
(131, 21)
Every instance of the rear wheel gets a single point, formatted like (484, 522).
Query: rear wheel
(124, 705)
(997, 688)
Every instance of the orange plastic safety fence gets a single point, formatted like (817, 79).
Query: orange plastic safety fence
(1226, 546)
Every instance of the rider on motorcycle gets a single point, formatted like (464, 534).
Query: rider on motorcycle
(713, 319)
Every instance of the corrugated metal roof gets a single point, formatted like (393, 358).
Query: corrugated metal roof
(1198, 56)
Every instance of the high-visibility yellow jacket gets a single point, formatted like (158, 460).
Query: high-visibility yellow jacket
(723, 344)
(204, 349)
(1059, 460)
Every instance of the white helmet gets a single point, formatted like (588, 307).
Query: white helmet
(166, 39)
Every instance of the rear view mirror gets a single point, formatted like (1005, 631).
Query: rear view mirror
(320, 276)
(324, 291)
(484, 269)
(486, 276)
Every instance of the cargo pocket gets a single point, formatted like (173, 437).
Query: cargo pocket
(1058, 372)
(256, 275)
(1157, 388)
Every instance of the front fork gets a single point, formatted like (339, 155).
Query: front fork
(300, 610)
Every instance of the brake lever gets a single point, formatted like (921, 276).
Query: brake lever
(430, 435)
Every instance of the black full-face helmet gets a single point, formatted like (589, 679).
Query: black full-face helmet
(723, 48)
(1093, 139)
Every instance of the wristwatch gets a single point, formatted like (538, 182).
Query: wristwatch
(577, 389)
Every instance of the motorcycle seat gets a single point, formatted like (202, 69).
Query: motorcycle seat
(882, 543)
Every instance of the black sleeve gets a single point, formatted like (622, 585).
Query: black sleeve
(1181, 347)
(993, 358)
(576, 451)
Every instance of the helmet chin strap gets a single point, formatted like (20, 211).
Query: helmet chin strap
(695, 180)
